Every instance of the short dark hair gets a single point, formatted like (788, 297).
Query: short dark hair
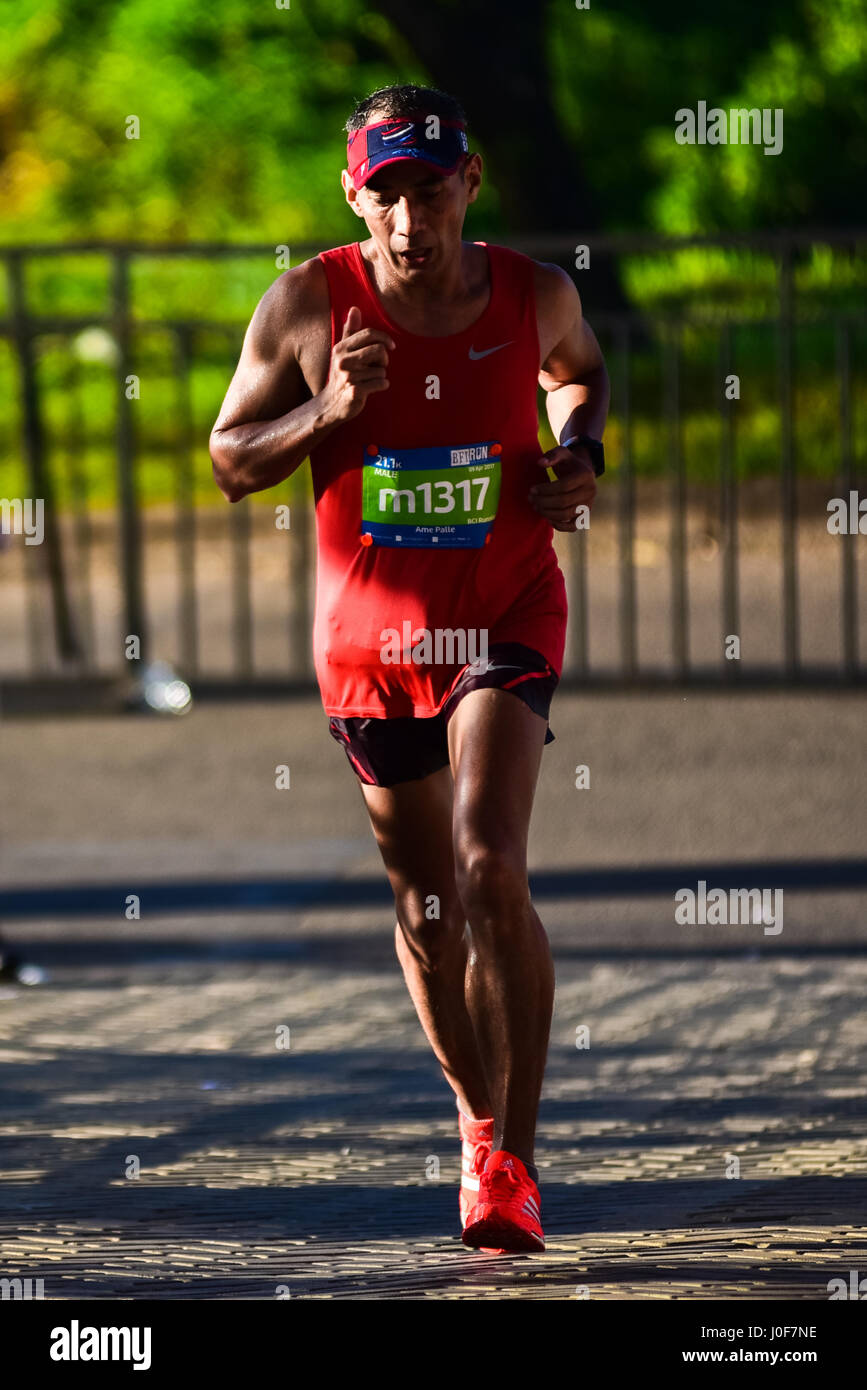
(404, 101)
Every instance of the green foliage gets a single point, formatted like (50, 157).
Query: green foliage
(241, 109)
(622, 71)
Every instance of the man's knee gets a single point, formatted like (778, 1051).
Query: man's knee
(491, 880)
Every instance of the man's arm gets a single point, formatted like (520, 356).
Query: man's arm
(270, 419)
(575, 380)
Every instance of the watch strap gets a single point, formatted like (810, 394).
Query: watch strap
(594, 447)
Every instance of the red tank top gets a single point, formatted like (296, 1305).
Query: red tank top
(473, 394)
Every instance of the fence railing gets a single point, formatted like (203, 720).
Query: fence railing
(709, 556)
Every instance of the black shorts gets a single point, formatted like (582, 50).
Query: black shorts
(385, 751)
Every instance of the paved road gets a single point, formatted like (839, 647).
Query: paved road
(328, 1168)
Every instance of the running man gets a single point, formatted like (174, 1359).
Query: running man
(406, 367)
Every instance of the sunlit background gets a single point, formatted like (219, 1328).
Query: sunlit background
(144, 257)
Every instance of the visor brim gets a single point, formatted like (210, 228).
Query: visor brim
(407, 158)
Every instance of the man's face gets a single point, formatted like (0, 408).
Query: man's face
(415, 214)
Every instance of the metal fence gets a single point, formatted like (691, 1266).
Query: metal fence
(676, 563)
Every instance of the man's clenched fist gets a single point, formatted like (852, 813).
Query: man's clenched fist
(575, 487)
(358, 366)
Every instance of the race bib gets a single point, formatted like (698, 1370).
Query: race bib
(444, 497)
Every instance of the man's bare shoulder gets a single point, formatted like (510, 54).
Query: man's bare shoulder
(558, 305)
(295, 303)
(556, 295)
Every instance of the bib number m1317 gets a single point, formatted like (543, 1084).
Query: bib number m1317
(444, 497)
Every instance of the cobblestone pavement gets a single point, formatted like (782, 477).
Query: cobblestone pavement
(329, 1168)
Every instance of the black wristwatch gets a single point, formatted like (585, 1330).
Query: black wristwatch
(594, 447)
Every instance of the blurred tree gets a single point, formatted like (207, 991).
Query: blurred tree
(241, 111)
(495, 62)
(240, 107)
(620, 74)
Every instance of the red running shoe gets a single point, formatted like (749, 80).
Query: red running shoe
(507, 1213)
(477, 1136)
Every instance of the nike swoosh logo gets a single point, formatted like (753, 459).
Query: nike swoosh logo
(474, 356)
(398, 134)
